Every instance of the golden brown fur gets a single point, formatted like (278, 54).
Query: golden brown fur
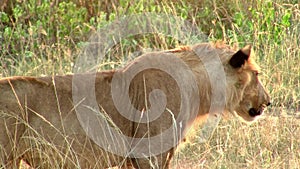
(38, 122)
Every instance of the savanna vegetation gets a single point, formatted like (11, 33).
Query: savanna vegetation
(44, 37)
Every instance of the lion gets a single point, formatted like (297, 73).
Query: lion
(39, 124)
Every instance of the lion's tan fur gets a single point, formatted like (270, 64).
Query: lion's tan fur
(38, 115)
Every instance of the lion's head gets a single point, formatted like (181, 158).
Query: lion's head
(252, 96)
(245, 94)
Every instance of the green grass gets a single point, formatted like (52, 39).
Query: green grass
(46, 39)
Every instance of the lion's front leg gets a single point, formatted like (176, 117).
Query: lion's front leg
(10, 132)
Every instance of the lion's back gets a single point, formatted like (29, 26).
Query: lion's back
(46, 120)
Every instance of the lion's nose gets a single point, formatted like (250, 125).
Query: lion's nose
(253, 112)
(269, 103)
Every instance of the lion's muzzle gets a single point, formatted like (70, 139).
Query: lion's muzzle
(256, 112)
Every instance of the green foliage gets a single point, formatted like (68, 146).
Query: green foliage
(44, 38)
(4, 17)
(72, 18)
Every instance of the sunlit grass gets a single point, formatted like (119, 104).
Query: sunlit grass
(48, 44)
(272, 142)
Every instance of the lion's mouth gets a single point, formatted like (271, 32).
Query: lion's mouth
(256, 112)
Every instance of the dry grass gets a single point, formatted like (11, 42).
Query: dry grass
(46, 44)
(272, 142)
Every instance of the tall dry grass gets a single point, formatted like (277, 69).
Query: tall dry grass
(45, 40)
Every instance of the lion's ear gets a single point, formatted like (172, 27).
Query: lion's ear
(240, 57)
